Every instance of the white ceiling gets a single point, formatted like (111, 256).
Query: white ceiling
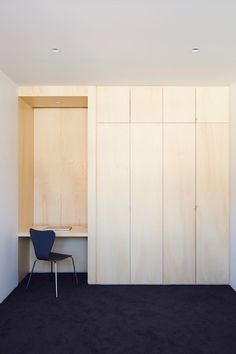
(118, 42)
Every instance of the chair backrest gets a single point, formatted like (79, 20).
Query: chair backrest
(42, 242)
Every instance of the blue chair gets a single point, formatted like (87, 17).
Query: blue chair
(43, 242)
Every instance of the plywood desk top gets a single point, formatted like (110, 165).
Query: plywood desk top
(76, 231)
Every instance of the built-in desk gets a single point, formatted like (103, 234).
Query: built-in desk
(77, 232)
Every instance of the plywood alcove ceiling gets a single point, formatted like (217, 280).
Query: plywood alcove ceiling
(56, 101)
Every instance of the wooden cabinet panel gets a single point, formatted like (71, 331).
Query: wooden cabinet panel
(26, 166)
(179, 204)
(146, 203)
(92, 186)
(212, 104)
(146, 104)
(113, 104)
(113, 204)
(60, 166)
(179, 104)
(212, 203)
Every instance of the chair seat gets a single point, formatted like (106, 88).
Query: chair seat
(58, 256)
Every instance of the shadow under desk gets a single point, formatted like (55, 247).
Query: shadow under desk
(77, 232)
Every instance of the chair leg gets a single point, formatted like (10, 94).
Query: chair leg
(51, 271)
(31, 274)
(55, 263)
(76, 278)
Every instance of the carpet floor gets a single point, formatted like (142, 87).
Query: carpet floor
(117, 319)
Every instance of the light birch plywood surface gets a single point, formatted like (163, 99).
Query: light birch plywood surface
(92, 187)
(53, 91)
(56, 101)
(146, 203)
(212, 104)
(179, 204)
(146, 104)
(26, 166)
(113, 204)
(75, 231)
(113, 104)
(179, 104)
(212, 203)
(60, 166)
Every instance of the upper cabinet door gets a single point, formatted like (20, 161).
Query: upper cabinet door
(179, 104)
(113, 105)
(212, 104)
(146, 104)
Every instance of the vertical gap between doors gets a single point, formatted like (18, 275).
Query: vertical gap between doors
(130, 230)
(163, 230)
(195, 212)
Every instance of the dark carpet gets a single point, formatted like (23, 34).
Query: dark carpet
(117, 319)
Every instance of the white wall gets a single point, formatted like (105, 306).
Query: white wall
(8, 187)
(233, 186)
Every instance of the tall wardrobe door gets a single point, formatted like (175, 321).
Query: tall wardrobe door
(179, 203)
(113, 204)
(146, 203)
(212, 203)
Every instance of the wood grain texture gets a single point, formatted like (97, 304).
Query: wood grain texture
(113, 104)
(26, 166)
(179, 104)
(212, 104)
(212, 203)
(146, 203)
(92, 187)
(56, 101)
(75, 232)
(113, 215)
(60, 166)
(52, 91)
(146, 104)
(179, 204)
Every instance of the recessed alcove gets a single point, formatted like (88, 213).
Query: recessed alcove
(53, 168)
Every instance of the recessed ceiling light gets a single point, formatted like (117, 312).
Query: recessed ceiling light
(55, 50)
(195, 50)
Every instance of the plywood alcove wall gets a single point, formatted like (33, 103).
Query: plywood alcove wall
(52, 161)
(53, 187)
